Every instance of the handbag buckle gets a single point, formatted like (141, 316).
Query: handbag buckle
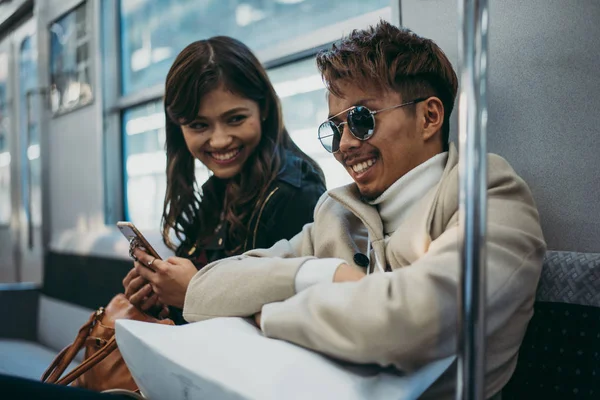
(99, 313)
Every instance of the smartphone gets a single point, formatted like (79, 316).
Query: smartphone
(133, 234)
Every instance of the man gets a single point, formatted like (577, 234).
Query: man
(390, 98)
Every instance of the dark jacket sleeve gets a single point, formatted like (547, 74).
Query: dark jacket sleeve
(284, 214)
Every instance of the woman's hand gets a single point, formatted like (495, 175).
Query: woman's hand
(139, 293)
(168, 279)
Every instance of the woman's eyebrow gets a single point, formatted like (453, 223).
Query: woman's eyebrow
(225, 114)
(234, 111)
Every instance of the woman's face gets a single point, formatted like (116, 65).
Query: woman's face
(225, 132)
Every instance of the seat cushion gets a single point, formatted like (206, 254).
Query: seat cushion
(26, 359)
(559, 357)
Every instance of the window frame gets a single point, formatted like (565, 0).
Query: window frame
(114, 105)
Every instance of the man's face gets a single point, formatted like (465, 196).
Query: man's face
(397, 145)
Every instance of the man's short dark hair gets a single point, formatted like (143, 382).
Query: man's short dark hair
(386, 57)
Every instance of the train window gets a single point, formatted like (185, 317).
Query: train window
(302, 95)
(145, 161)
(70, 81)
(154, 31)
(5, 206)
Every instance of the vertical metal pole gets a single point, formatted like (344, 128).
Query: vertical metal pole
(473, 25)
(29, 206)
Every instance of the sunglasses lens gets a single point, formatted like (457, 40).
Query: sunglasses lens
(361, 122)
(329, 136)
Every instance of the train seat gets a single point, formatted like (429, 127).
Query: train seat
(25, 358)
(560, 354)
(35, 328)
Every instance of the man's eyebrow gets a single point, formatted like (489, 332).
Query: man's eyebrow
(361, 102)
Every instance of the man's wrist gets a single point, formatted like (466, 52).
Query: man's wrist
(348, 273)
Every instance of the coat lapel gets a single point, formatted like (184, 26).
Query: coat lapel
(412, 239)
(436, 220)
(350, 198)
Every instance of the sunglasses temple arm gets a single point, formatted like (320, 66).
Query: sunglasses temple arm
(415, 101)
(340, 113)
(392, 107)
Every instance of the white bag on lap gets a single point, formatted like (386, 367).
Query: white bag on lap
(229, 358)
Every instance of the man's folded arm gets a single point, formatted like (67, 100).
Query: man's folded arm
(408, 317)
(239, 286)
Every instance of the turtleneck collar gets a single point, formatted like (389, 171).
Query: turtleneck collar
(395, 203)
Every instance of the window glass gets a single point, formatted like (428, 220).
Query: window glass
(70, 82)
(5, 206)
(304, 105)
(155, 31)
(145, 164)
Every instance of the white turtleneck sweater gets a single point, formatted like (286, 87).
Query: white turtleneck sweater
(393, 206)
(399, 199)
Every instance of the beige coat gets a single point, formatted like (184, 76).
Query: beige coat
(404, 318)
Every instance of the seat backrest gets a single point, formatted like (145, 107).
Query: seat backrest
(59, 322)
(560, 354)
(571, 278)
(19, 306)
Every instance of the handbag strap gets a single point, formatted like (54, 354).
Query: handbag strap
(110, 346)
(66, 356)
(55, 362)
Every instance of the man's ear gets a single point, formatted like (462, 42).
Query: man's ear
(433, 117)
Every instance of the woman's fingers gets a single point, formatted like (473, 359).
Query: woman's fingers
(138, 297)
(134, 286)
(149, 302)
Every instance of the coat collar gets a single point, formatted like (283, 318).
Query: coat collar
(350, 198)
(413, 237)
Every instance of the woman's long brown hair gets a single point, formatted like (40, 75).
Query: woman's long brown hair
(191, 213)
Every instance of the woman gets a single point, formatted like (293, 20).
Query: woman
(222, 110)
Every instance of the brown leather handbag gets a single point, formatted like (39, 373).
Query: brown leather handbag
(103, 367)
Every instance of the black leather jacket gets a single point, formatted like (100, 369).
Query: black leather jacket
(287, 207)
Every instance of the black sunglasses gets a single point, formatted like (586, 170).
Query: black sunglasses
(361, 122)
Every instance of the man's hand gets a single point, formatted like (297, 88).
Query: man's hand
(168, 279)
(347, 273)
(257, 319)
